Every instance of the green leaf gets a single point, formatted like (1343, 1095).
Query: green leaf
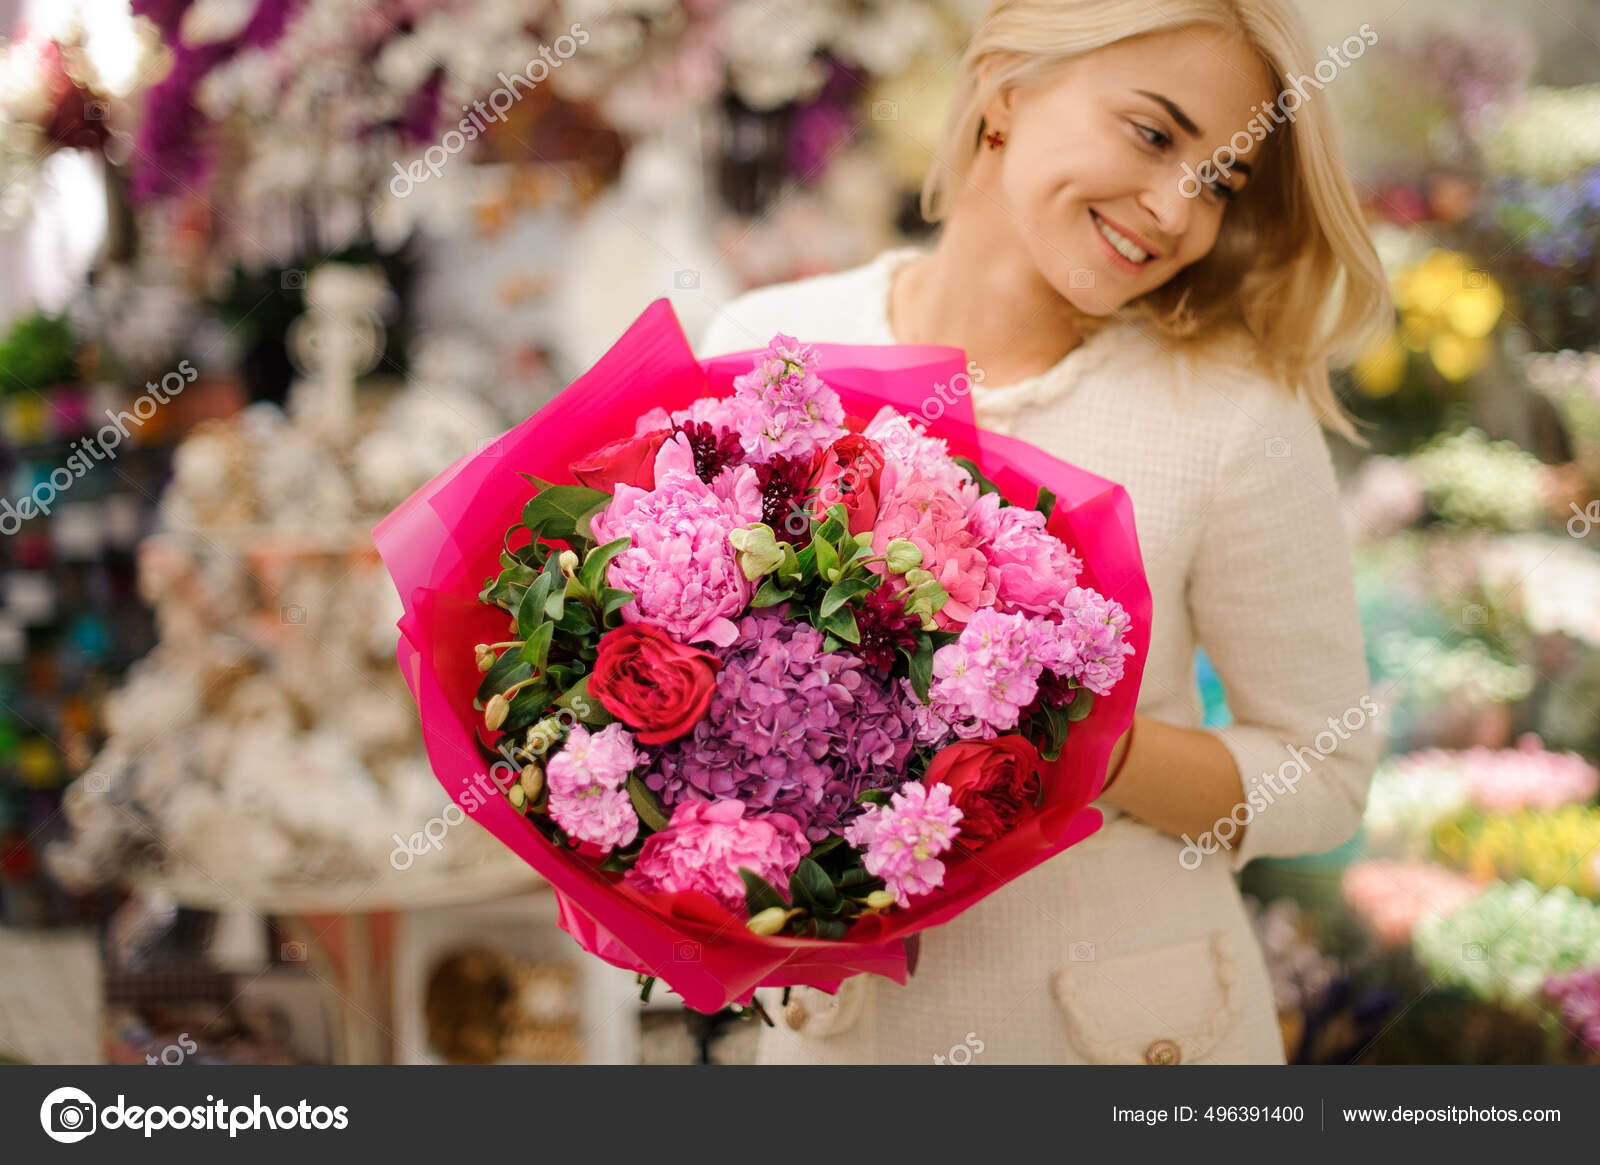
(856, 878)
(617, 860)
(1046, 503)
(843, 624)
(554, 512)
(818, 886)
(536, 651)
(844, 590)
(510, 669)
(873, 797)
(770, 593)
(613, 600)
(830, 928)
(826, 845)
(1048, 730)
(827, 556)
(1082, 704)
(645, 803)
(592, 575)
(586, 707)
(760, 894)
(530, 611)
(985, 486)
(922, 666)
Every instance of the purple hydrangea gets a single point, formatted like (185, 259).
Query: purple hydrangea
(791, 728)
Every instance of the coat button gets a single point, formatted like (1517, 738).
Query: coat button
(1162, 1052)
(794, 1014)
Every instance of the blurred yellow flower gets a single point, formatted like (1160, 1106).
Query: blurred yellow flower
(1447, 308)
(1382, 367)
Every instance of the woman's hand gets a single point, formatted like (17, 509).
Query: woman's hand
(1179, 780)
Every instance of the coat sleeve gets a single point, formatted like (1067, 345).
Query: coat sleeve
(1271, 594)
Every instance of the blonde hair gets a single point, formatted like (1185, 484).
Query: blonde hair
(1293, 268)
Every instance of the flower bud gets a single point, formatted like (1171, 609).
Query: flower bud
(769, 921)
(544, 735)
(918, 576)
(902, 555)
(518, 798)
(927, 597)
(531, 782)
(496, 711)
(864, 539)
(569, 563)
(486, 656)
(757, 548)
(880, 900)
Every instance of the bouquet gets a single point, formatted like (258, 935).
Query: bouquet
(776, 659)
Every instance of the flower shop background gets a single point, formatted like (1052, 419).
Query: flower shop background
(255, 237)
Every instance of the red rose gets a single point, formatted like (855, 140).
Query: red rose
(656, 686)
(993, 782)
(630, 461)
(847, 471)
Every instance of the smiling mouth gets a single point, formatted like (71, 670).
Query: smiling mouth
(1121, 243)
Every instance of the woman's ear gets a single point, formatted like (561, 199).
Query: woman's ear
(997, 108)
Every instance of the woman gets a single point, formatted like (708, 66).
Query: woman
(1149, 250)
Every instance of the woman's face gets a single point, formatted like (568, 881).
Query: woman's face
(1093, 166)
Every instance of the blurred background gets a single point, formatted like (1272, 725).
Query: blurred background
(268, 265)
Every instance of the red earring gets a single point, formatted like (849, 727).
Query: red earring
(995, 138)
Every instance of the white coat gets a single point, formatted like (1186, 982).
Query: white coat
(1132, 948)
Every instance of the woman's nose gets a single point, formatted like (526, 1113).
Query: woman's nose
(1168, 209)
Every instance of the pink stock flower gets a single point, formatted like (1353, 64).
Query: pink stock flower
(682, 570)
(706, 842)
(586, 781)
(935, 520)
(782, 408)
(901, 842)
(984, 681)
(1032, 569)
(1096, 629)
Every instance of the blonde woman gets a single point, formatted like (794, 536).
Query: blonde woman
(1150, 251)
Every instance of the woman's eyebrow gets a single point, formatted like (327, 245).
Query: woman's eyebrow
(1177, 114)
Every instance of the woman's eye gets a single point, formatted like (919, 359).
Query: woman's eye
(1152, 135)
(1222, 190)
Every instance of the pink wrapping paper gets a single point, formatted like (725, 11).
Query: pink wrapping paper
(442, 543)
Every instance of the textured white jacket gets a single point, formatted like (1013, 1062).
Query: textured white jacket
(1130, 947)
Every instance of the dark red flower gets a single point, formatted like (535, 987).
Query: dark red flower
(655, 685)
(993, 782)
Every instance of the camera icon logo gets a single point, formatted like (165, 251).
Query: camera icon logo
(686, 952)
(885, 111)
(67, 1115)
(1474, 615)
(294, 614)
(1081, 952)
(1277, 446)
(293, 952)
(686, 280)
(96, 110)
(1081, 277)
(293, 280)
(1475, 278)
(1474, 952)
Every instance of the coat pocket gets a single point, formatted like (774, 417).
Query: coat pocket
(1172, 1005)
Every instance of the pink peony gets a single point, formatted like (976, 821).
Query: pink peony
(905, 443)
(586, 781)
(682, 570)
(902, 841)
(706, 843)
(935, 520)
(1032, 569)
(718, 412)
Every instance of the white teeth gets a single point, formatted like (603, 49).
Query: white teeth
(1125, 246)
